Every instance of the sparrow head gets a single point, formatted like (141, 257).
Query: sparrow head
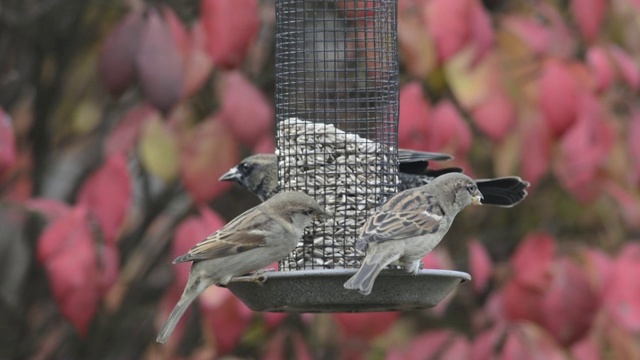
(459, 189)
(256, 173)
(298, 207)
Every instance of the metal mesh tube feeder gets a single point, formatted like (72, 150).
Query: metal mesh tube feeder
(337, 121)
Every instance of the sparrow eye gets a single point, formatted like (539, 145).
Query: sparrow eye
(244, 167)
(471, 188)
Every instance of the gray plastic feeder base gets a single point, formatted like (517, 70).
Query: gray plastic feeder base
(322, 290)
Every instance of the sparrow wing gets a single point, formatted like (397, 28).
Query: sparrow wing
(416, 216)
(245, 232)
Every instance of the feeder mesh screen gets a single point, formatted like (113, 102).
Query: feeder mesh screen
(337, 113)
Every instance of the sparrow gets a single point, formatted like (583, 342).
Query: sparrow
(256, 238)
(259, 174)
(409, 225)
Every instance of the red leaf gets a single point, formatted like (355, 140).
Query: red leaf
(414, 114)
(533, 259)
(597, 267)
(589, 15)
(531, 30)
(559, 96)
(584, 148)
(486, 343)
(521, 302)
(480, 264)
(480, 30)
(198, 65)
(569, 304)
(601, 67)
(109, 267)
(622, 290)
(178, 32)
(627, 67)
(526, 341)
(107, 194)
(276, 349)
(226, 317)
(365, 326)
(230, 28)
(272, 319)
(8, 151)
(447, 21)
(208, 152)
(633, 142)
(586, 349)
(448, 131)
(536, 150)
(248, 123)
(266, 145)
(159, 63)
(435, 344)
(51, 208)
(495, 116)
(66, 250)
(116, 65)
(191, 231)
(124, 137)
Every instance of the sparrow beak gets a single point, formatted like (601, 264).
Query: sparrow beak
(232, 175)
(476, 198)
(320, 216)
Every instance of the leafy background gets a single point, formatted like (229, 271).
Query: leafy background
(117, 118)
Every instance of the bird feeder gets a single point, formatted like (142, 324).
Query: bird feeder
(337, 121)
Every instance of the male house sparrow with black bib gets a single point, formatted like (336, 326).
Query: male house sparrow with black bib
(410, 225)
(256, 238)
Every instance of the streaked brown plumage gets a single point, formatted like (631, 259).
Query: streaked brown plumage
(256, 238)
(410, 225)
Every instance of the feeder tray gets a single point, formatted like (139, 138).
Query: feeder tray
(322, 291)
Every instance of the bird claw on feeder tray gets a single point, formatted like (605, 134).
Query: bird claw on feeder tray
(259, 277)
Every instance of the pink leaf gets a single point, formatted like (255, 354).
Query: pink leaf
(627, 66)
(124, 137)
(8, 151)
(107, 194)
(66, 251)
(51, 208)
(230, 28)
(208, 151)
(586, 349)
(536, 150)
(622, 290)
(584, 148)
(414, 114)
(365, 325)
(191, 231)
(633, 143)
(533, 259)
(117, 58)
(531, 30)
(521, 302)
(440, 344)
(486, 343)
(589, 15)
(628, 200)
(109, 267)
(266, 145)
(525, 341)
(178, 32)
(495, 116)
(480, 264)
(276, 349)
(481, 29)
(226, 318)
(559, 96)
(198, 64)
(448, 131)
(248, 123)
(597, 267)
(601, 67)
(448, 25)
(569, 303)
(159, 63)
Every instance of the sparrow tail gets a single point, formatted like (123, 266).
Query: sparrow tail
(373, 263)
(191, 291)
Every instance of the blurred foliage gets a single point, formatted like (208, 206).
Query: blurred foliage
(117, 118)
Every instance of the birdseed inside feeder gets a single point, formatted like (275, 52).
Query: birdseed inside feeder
(337, 120)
